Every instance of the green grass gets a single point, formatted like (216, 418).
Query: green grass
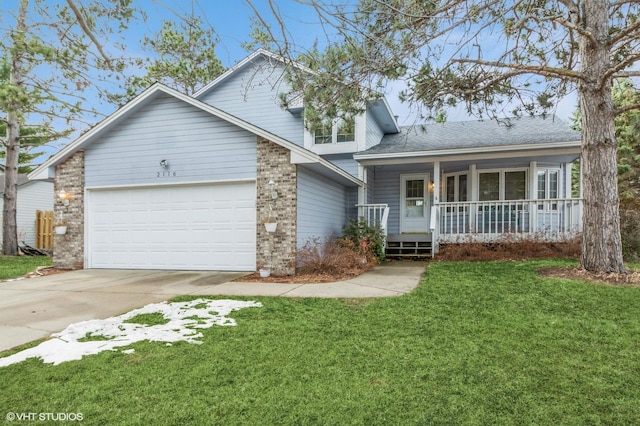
(154, 318)
(476, 343)
(17, 266)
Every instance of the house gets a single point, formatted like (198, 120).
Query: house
(171, 181)
(33, 195)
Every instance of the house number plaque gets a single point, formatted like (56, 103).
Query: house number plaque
(166, 174)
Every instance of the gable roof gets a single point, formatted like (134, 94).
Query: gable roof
(476, 136)
(47, 169)
(379, 107)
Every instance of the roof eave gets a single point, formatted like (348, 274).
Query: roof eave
(468, 151)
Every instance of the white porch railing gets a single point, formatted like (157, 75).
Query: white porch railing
(375, 214)
(488, 220)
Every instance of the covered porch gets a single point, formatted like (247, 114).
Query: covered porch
(422, 204)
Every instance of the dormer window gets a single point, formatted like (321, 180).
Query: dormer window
(340, 132)
(323, 135)
(346, 131)
(338, 136)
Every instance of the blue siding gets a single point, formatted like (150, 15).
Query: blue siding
(252, 95)
(322, 206)
(374, 133)
(32, 196)
(387, 190)
(345, 162)
(198, 146)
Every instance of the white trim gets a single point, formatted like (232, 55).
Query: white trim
(165, 184)
(498, 151)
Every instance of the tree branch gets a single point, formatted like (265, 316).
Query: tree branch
(626, 74)
(626, 32)
(544, 71)
(617, 70)
(88, 32)
(626, 108)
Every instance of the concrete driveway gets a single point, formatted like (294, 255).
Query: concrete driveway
(34, 308)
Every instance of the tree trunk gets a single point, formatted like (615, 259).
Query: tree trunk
(601, 242)
(10, 198)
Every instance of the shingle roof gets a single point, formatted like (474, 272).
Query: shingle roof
(476, 134)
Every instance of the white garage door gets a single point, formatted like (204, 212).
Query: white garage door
(203, 227)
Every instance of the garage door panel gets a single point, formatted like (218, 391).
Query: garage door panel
(198, 227)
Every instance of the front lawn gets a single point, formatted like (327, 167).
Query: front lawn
(475, 343)
(18, 266)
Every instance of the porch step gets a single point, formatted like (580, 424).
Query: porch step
(409, 245)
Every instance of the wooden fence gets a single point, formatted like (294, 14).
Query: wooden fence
(44, 230)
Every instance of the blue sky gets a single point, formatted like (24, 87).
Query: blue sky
(231, 20)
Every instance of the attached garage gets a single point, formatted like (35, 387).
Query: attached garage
(183, 227)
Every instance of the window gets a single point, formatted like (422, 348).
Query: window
(515, 185)
(346, 132)
(502, 185)
(548, 187)
(323, 135)
(338, 132)
(456, 188)
(489, 186)
(414, 190)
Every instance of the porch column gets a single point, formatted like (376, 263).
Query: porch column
(473, 179)
(362, 191)
(472, 195)
(533, 195)
(436, 200)
(436, 182)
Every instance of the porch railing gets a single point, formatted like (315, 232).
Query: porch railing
(375, 214)
(547, 219)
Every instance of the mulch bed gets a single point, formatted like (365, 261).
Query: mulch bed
(297, 279)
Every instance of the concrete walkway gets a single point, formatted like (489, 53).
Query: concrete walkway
(34, 308)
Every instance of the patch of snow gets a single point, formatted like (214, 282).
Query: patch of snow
(183, 321)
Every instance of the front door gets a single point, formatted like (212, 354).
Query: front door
(414, 203)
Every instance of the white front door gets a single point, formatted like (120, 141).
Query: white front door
(414, 203)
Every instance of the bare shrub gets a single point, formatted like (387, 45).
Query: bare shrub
(511, 248)
(330, 257)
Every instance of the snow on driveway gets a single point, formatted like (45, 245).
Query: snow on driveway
(183, 320)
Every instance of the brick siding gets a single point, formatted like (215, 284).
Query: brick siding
(68, 249)
(276, 250)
